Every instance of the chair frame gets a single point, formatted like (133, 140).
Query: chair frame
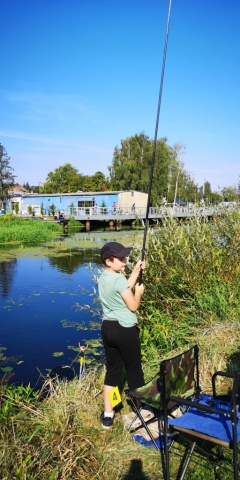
(167, 406)
(234, 398)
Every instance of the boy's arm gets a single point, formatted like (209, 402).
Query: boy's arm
(140, 265)
(133, 300)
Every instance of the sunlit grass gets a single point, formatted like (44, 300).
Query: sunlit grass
(26, 231)
(58, 435)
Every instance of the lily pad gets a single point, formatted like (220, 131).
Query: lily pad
(7, 369)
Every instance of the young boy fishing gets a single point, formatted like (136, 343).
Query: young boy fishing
(120, 332)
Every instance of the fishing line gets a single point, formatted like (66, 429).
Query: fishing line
(156, 132)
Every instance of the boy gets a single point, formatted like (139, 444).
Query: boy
(120, 333)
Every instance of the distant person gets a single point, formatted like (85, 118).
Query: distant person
(114, 207)
(133, 208)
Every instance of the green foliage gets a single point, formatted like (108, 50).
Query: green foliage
(193, 279)
(95, 183)
(63, 179)
(30, 210)
(74, 225)
(67, 179)
(52, 209)
(12, 396)
(18, 230)
(16, 207)
(6, 173)
(131, 166)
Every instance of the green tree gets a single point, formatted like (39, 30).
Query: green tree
(27, 186)
(207, 193)
(32, 188)
(95, 183)
(230, 194)
(63, 179)
(130, 169)
(6, 175)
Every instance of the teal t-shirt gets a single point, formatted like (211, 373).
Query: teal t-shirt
(111, 285)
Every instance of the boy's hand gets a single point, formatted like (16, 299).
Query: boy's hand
(140, 265)
(139, 288)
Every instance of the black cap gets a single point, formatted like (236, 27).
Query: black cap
(114, 249)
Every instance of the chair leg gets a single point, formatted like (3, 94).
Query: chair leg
(189, 456)
(138, 413)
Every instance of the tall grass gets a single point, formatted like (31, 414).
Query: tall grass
(58, 436)
(18, 230)
(192, 279)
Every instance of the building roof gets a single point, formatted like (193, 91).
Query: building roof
(80, 193)
(18, 189)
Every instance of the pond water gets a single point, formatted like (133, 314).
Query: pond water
(39, 317)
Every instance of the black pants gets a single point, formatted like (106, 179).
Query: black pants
(122, 346)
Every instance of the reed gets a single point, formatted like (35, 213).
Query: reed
(192, 279)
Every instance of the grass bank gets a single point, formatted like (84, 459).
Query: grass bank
(60, 438)
(17, 230)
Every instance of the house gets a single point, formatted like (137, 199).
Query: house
(83, 203)
(14, 196)
(17, 190)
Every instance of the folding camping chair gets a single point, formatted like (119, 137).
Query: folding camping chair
(213, 420)
(177, 376)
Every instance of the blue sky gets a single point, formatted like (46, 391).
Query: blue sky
(78, 76)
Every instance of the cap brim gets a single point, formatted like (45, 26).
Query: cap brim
(124, 252)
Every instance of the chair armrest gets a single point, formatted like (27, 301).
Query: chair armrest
(199, 406)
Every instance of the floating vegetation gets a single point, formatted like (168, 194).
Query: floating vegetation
(5, 361)
(58, 354)
(77, 325)
(6, 369)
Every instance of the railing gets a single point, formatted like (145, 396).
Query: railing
(138, 211)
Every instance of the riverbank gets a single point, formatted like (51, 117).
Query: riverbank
(61, 438)
(192, 295)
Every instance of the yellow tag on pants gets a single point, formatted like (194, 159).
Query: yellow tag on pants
(115, 397)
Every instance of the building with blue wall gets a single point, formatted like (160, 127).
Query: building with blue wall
(82, 203)
(70, 203)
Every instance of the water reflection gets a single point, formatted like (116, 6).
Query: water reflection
(7, 271)
(38, 303)
(71, 262)
(39, 297)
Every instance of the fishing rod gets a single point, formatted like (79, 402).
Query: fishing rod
(155, 135)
